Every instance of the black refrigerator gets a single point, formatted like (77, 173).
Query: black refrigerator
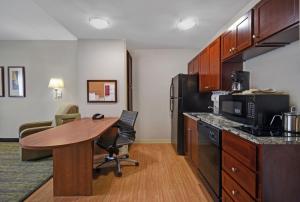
(184, 97)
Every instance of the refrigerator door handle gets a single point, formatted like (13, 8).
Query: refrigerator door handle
(171, 105)
(171, 90)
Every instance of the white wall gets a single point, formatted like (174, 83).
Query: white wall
(106, 60)
(42, 60)
(152, 74)
(278, 69)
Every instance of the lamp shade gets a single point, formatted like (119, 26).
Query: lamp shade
(56, 83)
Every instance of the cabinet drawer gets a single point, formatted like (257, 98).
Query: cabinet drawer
(242, 150)
(226, 197)
(235, 191)
(245, 177)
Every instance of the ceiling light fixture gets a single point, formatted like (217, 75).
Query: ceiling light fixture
(187, 23)
(99, 23)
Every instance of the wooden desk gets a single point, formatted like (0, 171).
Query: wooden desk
(72, 146)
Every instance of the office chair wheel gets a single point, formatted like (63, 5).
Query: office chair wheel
(119, 174)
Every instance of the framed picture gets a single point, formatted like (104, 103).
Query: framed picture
(101, 91)
(16, 82)
(2, 87)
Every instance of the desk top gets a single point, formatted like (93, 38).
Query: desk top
(74, 132)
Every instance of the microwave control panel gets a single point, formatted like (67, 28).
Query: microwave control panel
(251, 110)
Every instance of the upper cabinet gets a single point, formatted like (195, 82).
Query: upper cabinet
(193, 66)
(238, 37)
(204, 70)
(215, 65)
(272, 16)
(269, 25)
(210, 67)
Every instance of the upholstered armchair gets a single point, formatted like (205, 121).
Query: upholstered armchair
(65, 114)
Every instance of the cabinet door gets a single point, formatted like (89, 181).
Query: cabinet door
(190, 67)
(228, 43)
(215, 65)
(244, 32)
(272, 16)
(204, 71)
(194, 143)
(196, 65)
(188, 137)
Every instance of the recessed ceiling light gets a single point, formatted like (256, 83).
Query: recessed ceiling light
(99, 23)
(187, 23)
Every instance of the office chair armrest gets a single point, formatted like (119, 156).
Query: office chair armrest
(34, 125)
(30, 131)
(127, 131)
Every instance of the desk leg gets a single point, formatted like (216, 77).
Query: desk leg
(73, 170)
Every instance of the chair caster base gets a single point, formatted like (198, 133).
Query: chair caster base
(119, 174)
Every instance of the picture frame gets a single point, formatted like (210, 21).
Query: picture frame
(102, 91)
(16, 81)
(2, 83)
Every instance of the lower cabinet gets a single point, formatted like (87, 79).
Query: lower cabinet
(191, 140)
(259, 172)
(238, 168)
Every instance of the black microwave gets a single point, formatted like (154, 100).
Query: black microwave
(256, 110)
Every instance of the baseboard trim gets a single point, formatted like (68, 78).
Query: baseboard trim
(9, 139)
(153, 141)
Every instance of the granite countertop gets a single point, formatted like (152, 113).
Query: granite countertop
(225, 124)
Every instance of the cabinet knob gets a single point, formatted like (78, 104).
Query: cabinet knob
(206, 87)
(234, 192)
(255, 36)
(234, 170)
(233, 49)
(230, 50)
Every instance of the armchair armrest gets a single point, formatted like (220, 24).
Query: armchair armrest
(65, 118)
(30, 131)
(34, 125)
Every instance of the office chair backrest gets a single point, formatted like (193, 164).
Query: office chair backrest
(126, 124)
(128, 118)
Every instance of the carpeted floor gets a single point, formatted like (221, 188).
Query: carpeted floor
(18, 179)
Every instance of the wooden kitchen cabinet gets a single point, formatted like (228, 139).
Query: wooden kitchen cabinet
(215, 65)
(210, 67)
(204, 70)
(238, 37)
(228, 42)
(239, 167)
(272, 16)
(193, 65)
(191, 140)
(259, 172)
(196, 64)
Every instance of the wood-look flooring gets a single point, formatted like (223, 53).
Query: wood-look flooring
(162, 176)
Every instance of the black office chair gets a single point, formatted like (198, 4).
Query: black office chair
(124, 136)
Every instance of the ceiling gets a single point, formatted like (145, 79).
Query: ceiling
(143, 23)
(24, 20)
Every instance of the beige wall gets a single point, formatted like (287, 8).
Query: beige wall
(42, 60)
(153, 71)
(278, 69)
(101, 60)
